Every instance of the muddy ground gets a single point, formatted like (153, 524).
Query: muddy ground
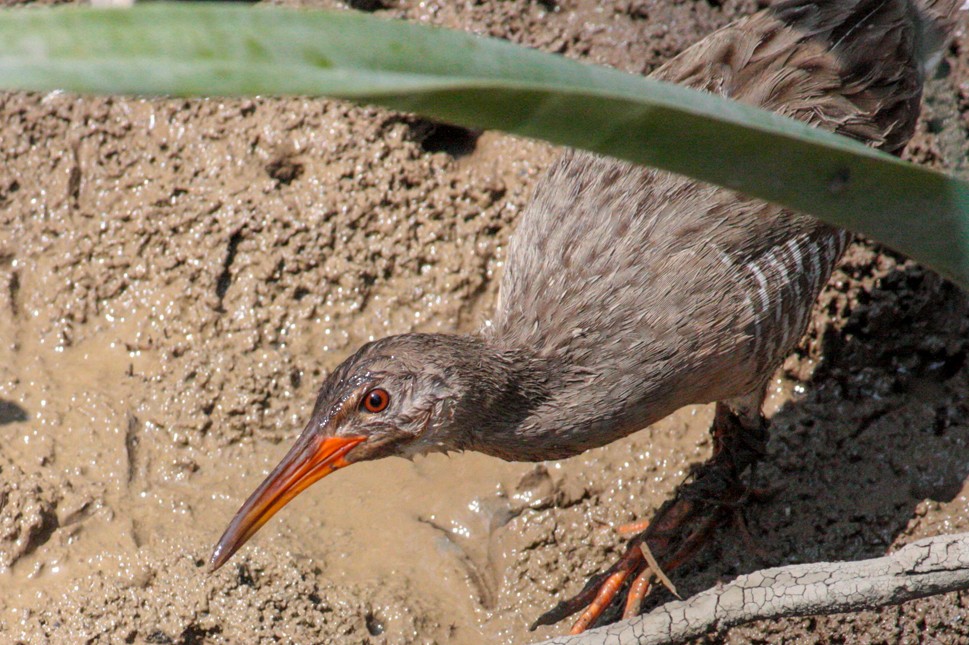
(176, 278)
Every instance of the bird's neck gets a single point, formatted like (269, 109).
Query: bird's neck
(498, 389)
(519, 406)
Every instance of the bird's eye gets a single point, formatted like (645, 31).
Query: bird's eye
(376, 400)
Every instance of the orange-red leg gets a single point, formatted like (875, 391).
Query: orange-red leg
(637, 593)
(632, 528)
(680, 528)
(603, 599)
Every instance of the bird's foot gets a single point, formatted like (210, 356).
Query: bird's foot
(673, 537)
(713, 498)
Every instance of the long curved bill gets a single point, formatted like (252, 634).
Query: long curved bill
(311, 459)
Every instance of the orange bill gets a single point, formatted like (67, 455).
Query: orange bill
(311, 459)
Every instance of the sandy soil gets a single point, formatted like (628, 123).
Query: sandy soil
(176, 277)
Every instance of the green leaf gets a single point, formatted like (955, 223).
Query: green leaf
(205, 50)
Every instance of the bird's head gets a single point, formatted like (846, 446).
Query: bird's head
(404, 395)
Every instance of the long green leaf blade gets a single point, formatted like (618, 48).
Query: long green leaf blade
(207, 50)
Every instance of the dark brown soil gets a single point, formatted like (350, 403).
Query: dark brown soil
(176, 277)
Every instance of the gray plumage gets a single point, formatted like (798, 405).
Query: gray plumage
(630, 292)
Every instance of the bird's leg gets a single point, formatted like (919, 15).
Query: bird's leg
(683, 525)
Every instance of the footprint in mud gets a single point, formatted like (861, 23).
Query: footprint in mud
(478, 544)
(473, 551)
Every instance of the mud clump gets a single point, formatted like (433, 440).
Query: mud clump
(27, 514)
(177, 276)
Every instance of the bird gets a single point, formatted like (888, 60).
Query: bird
(630, 292)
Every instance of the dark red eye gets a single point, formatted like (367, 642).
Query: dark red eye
(376, 400)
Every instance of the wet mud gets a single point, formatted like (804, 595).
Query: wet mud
(177, 277)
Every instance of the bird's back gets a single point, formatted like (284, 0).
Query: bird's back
(668, 291)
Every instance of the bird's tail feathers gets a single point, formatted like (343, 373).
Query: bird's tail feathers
(938, 19)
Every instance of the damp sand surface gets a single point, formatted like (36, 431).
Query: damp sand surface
(177, 278)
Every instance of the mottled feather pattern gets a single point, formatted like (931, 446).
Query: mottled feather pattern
(708, 289)
(630, 292)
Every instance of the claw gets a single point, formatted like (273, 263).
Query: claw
(710, 499)
(632, 528)
(607, 591)
(566, 608)
(637, 592)
(693, 542)
(749, 540)
(762, 494)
